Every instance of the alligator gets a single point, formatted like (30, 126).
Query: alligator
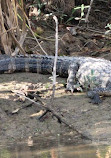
(83, 73)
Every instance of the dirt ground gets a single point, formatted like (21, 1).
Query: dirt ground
(91, 120)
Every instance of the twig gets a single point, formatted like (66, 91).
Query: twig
(92, 30)
(22, 107)
(46, 39)
(29, 27)
(35, 36)
(56, 55)
(21, 41)
(87, 15)
(18, 44)
(6, 31)
(48, 109)
(13, 37)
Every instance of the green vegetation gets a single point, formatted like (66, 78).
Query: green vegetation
(90, 80)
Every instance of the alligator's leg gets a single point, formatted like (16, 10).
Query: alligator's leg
(94, 96)
(71, 81)
(96, 92)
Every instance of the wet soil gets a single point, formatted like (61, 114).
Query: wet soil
(91, 120)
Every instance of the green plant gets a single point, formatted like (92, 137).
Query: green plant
(90, 80)
(47, 85)
(108, 26)
(82, 8)
(109, 29)
(38, 4)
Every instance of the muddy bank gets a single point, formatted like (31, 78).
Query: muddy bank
(89, 119)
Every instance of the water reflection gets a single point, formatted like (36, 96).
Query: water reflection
(53, 149)
(81, 151)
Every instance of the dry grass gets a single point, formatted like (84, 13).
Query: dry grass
(12, 35)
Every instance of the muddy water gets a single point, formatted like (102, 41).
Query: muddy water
(81, 151)
(51, 148)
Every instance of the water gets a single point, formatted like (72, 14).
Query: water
(80, 151)
(49, 148)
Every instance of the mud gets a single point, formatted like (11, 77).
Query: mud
(91, 120)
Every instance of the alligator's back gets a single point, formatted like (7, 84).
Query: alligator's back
(35, 63)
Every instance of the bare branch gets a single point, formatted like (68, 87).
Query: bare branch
(56, 55)
(87, 16)
(48, 109)
(29, 27)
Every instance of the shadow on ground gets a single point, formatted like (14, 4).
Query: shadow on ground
(91, 120)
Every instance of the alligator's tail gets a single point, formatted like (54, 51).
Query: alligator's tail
(41, 64)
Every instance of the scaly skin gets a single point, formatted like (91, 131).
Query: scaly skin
(89, 73)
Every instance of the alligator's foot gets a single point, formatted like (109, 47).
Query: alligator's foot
(70, 87)
(73, 87)
(94, 96)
